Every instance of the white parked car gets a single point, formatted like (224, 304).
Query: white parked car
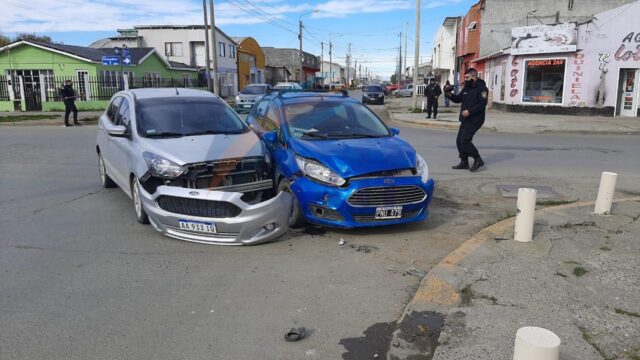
(406, 90)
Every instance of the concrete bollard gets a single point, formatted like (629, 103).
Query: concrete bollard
(526, 208)
(534, 343)
(605, 193)
(423, 106)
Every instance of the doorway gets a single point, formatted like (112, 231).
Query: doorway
(84, 91)
(628, 93)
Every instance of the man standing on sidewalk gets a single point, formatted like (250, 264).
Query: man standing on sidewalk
(473, 99)
(69, 97)
(432, 92)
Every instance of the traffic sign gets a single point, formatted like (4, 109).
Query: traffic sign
(111, 60)
(126, 60)
(116, 50)
(126, 52)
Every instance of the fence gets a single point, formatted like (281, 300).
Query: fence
(4, 88)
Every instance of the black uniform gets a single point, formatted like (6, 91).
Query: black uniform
(474, 99)
(432, 92)
(68, 96)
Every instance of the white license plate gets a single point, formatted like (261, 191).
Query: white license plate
(246, 106)
(197, 226)
(394, 212)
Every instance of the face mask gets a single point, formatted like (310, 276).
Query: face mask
(468, 82)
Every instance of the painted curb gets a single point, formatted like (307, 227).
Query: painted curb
(441, 288)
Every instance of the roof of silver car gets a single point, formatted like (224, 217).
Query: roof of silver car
(167, 92)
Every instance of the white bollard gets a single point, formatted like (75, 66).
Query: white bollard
(605, 193)
(534, 343)
(423, 106)
(526, 208)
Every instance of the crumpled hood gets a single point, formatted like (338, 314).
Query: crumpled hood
(354, 157)
(193, 149)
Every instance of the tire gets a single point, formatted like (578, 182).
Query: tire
(105, 180)
(296, 217)
(411, 94)
(141, 215)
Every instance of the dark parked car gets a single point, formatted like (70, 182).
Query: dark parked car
(373, 94)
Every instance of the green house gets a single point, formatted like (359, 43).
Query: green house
(32, 73)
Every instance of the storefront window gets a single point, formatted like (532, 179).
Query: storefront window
(544, 81)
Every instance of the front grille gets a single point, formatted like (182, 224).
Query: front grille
(222, 173)
(387, 196)
(372, 218)
(197, 207)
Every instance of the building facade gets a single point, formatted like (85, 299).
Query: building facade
(580, 69)
(31, 74)
(331, 74)
(185, 44)
(290, 58)
(251, 62)
(444, 50)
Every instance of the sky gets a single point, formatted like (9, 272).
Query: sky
(372, 27)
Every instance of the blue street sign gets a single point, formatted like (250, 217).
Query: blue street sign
(126, 52)
(126, 59)
(111, 60)
(116, 50)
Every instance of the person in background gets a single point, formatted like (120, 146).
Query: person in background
(432, 92)
(68, 95)
(446, 89)
(473, 104)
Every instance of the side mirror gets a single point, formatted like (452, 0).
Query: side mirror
(395, 131)
(112, 130)
(270, 137)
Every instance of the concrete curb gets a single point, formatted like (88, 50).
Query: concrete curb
(441, 288)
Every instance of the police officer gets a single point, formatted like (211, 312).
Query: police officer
(69, 97)
(473, 99)
(432, 93)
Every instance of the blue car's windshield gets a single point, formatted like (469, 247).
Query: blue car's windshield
(317, 119)
(186, 116)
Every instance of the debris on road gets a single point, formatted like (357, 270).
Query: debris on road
(341, 242)
(415, 272)
(363, 248)
(295, 334)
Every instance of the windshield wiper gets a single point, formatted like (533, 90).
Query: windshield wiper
(165, 134)
(315, 134)
(212, 132)
(354, 135)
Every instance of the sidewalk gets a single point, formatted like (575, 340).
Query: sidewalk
(515, 122)
(577, 278)
(45, 118)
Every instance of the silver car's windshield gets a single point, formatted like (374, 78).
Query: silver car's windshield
(186, 116)
(254, 90)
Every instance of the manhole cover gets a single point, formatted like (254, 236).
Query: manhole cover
(543, 192)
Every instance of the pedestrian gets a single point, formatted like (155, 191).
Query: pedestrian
(68, 95)
(432, 92)
(473, 99)
(446, 89)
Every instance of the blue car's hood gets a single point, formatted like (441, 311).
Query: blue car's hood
(354, 157)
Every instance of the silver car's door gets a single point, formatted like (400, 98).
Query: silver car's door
(120, 148)
(104, 138)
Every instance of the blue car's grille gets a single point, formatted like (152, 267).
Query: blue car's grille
(197, 207)
(387, 196)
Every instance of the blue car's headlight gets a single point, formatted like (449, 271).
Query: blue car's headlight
(422, 168)
(319, 172)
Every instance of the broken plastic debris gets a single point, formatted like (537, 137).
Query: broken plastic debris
(342, 241)
(415, 272)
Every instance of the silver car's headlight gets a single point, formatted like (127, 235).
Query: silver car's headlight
(237, 98)
(162, 167)
(422, 168)
(319, 172)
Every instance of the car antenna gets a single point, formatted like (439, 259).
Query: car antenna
(177, 93)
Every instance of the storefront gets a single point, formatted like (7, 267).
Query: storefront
(590, 69)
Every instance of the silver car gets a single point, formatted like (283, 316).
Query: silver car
(406, 90)
(247, 98)
(193, 169)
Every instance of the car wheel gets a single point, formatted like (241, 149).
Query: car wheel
(411, 94)
(141, 215)
(105, 180)
(296, 217)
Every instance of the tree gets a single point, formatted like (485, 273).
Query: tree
(34, 37)
(393, 78)
(4, 40)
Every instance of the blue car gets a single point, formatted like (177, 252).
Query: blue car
(345, 167)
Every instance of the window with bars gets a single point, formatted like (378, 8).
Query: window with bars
(173, 49)
(222, 49)
(109, 78)
(232, 51)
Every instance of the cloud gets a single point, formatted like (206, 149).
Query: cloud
(341, 8)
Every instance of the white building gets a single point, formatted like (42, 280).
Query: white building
(444, 51)
(331, 73)
(184, 44)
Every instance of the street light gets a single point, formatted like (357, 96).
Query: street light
(300, 38)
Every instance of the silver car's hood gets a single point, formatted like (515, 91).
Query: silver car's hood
(193, 149)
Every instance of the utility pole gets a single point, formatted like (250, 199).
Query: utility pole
(322, 62)
(399, 60)
(301, 56)
(416, 55)
(355, 69)
(206, 45)
(348, 65)
(330, 62)
(216, 83)
(406, 36)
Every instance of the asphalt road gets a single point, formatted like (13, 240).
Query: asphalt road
(82, 280)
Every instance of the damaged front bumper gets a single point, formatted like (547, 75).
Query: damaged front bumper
(235, 221)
